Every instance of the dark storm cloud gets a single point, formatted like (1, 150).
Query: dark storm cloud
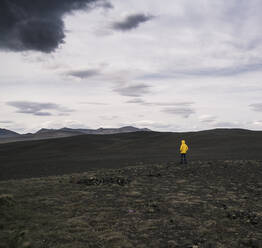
(37, 25)
(184, 112)
(36, 108)
(131, 22)
(134, 90)
(256, 107)
(83, 73)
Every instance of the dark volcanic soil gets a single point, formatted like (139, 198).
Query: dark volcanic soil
(82, 153)
(202, 204)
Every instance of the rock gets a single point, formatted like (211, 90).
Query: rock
(103, 180)
(172, 244)
(154, 175)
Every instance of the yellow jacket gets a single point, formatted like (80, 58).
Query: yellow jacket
(183, 147)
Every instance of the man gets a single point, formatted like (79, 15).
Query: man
(183, 150)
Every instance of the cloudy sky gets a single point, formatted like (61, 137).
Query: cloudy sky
(181, 65)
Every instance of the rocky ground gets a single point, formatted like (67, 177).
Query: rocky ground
(202, 204)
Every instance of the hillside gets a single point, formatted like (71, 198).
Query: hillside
(201, 205)
(7, 136)
(5, 133)
(84, 152)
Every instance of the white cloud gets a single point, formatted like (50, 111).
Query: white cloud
(208, 53)
(207, 118)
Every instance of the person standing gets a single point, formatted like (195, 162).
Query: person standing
(183, 151)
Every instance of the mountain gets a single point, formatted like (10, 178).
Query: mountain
(68, 132)
(127, 129)
(85, 152)
(56, 133)
(5, 133)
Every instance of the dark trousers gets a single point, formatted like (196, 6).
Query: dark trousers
(183, 159)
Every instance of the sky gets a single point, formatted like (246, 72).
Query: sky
(183, 65)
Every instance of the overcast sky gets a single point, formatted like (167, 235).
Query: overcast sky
(181, 65)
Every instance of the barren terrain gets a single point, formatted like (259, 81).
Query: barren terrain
(202, 204)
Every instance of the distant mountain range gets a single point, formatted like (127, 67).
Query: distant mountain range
(7, 136)
(5, 133)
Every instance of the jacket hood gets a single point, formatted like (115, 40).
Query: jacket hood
(183, 142)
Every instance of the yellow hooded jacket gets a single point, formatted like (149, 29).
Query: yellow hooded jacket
(183, 147)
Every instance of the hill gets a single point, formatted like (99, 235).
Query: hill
(5, 133)
(84, 152)
(201, 205)
(10, 136)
